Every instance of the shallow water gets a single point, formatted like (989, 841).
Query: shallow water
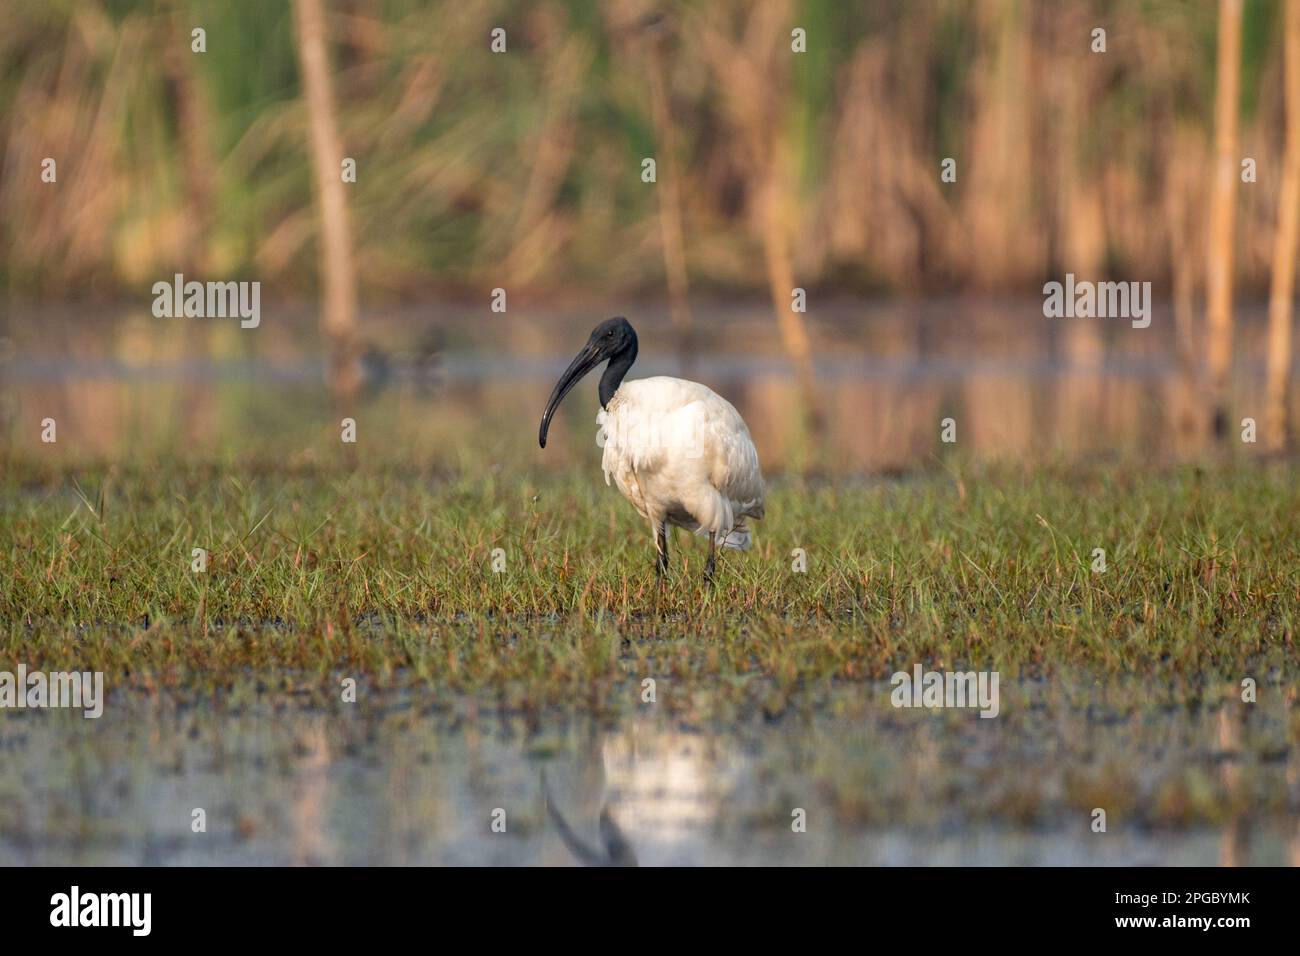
(408, 778)
(442, 378)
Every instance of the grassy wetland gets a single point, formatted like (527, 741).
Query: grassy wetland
(841, 218)
(1120, 689)
(523, 688)
(391, 574)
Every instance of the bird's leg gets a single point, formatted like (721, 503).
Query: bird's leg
(711, 565)
(661, 546)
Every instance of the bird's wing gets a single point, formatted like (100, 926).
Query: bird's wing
(662, 422)
(636, 437)
(735, 470)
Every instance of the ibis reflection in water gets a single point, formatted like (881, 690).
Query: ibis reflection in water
(676, 449)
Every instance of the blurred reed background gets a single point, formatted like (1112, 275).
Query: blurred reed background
(776, 170)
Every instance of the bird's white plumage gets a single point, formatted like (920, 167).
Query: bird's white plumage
(682, 454)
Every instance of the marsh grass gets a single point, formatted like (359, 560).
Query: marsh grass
(318, 572)
(1119, 690)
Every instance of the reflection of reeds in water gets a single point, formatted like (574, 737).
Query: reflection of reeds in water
(310, 841)
(1234, 844)
(198, 389)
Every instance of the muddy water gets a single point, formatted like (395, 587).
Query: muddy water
(405, 778)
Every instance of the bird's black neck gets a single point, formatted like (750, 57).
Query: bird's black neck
(614, 372)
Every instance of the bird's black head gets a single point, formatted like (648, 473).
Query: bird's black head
(613, 340)
(613, 335)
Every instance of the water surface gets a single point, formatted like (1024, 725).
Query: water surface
(403, 777)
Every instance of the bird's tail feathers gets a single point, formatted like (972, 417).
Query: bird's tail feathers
(738, 538)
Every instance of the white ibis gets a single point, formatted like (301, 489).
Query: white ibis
(677, 450)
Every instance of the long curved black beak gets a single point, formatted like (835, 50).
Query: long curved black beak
(583, 363)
